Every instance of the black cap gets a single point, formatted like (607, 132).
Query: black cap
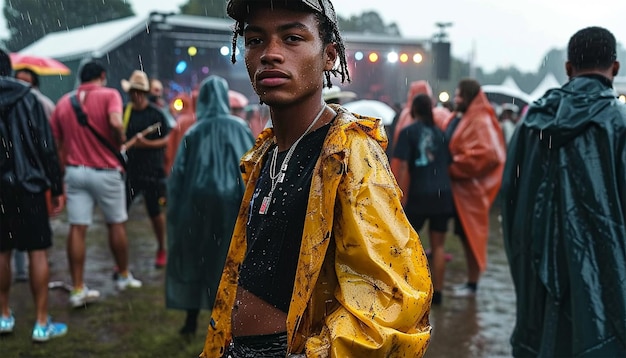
(239, 9)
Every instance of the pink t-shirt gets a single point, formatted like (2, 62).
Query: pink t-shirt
(82, 146)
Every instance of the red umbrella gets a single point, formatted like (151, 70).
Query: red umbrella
(42, 66)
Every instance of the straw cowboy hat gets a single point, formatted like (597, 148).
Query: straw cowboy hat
(138, 81)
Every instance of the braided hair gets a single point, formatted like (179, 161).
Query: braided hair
(329, 33)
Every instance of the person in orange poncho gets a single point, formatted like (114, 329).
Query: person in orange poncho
(185, 118)
(440, 114)
(478, 153)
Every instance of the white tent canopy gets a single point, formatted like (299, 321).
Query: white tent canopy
(548, 82)
(509, 82)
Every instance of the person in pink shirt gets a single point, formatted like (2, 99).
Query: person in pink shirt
(93, 175)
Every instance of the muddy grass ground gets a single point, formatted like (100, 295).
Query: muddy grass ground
(135, 323)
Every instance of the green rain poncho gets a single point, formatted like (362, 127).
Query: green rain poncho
(564, 207)
(204, 194)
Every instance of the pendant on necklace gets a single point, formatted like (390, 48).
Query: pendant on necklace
(265, 205)
(281, 177)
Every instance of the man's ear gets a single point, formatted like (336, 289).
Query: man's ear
(615, 68)
(330, 54)
(569, 69)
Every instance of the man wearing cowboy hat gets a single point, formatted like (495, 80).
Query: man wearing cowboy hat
(146, 172)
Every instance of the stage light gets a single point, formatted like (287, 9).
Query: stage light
(444, 97)
(404, 58)
(181, 67)
(392, 57)
(373, 57)
(225, 50)
(192, 51)
(178, 104)
(418, 58)
(358, 55)
(622, 98)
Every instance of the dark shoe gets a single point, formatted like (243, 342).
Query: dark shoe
(188, 330)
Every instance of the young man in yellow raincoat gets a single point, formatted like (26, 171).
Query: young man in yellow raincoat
(323, 262)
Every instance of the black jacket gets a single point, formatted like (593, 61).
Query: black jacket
(28, 154)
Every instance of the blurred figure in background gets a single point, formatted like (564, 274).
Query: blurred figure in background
(478, 153)
(205, 191)
(564, 211)
(156, 97)
(420, 164)
(238, 102)
(185, 118)
(440, 114)
(29, 166)
(508, 118)
(146, 172)
(94, 175)
(31, 77)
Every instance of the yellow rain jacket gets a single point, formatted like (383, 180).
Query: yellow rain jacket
(362, 286)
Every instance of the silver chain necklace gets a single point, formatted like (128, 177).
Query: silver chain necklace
(279, 177)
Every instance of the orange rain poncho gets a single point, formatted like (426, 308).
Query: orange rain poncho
(478, 154)
(362, 286)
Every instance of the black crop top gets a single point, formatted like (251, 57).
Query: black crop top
(274, 238)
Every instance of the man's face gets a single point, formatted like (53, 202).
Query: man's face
(136, 96)
(285, 56)
(460, 104)
(24, 76)
(156, 89)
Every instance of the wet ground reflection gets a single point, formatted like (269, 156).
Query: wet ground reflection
(480, 326)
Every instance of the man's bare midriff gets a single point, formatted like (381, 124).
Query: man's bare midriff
(253, 316)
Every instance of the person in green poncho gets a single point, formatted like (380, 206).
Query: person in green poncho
(204, 194)
(564, 211)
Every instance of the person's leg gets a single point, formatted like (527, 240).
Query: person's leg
(158, 226)
(191, 322)
(437, 260)
(21, 273)
(76, 254)
(5, 282)
(113, 196)
(154, 193)
(39, 277)
(473, 270)
(80, 204)
(118, 243)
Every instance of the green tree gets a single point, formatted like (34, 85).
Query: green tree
(368, 22)
(30, 20)
(211, 8)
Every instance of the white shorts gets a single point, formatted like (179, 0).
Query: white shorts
(87, 186)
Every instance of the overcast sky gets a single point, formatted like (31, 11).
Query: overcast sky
(501, 32)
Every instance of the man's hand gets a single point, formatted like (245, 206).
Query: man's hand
(57, 205)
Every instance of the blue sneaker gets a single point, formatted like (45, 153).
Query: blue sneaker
(7, 324)
(50, 330)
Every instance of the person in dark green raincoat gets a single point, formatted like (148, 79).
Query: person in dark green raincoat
(204, 194)
(564, 211)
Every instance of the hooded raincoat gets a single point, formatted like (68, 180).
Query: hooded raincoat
(478, 154)
(204, 195)
(564, 223)
(440, 114)
(362, 286)
(28, 154)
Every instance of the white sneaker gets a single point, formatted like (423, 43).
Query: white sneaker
(80, 298)
(129, 281)
(462, 292)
